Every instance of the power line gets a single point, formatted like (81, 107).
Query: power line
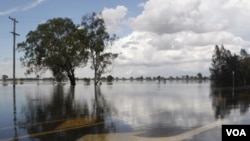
(14, 49)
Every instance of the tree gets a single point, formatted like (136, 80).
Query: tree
(244, 53)
(131, 78)
(199, 76)
(159, 78)
(57, 45)
(110, 78)
(98, 39)
(139, 78)
(225, 67)
(4, 77)
(245, 66)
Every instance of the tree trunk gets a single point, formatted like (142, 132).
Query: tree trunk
(72, 81)
(96, 79)
(72, 78)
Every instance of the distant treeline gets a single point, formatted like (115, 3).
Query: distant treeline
(230, 69)
(184, 77)
(110, 78)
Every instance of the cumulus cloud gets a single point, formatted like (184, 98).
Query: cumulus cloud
(178, 37)
(114, 18)
(187, 52)
(151, 48)
(183, 39)
(165, 16)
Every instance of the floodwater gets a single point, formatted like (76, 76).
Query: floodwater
(124, 110)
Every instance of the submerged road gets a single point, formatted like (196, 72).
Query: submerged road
(134, 136)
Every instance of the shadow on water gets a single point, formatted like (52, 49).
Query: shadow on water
(62, 117)
(224, 100)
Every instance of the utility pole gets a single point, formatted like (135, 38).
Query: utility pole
(14, 49)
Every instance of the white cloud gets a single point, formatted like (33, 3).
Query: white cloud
(114, 18)
(187, 52)
(32, 5)
(25, 7)
(9, 11)
(182, 39)
(178, 37)
(165, 16)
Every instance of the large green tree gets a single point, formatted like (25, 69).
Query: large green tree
(225, 69)
(57, 45)
(98, 41)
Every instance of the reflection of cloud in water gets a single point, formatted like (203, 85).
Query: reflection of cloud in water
(148, 106)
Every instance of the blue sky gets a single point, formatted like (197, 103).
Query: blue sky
(156, 37)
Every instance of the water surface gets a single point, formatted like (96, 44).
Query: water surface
(151, 109)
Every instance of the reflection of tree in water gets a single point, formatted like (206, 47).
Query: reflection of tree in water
(61, 112)
(226, 99)
(103, 110)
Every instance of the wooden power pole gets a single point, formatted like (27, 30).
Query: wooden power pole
(14, 49)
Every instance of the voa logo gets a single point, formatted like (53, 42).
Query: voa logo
(236, 132)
